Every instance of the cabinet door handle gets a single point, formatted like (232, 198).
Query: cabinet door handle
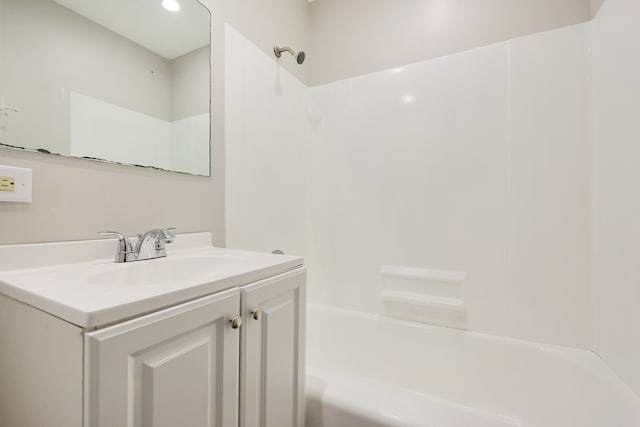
(236, 322)
(256, 313)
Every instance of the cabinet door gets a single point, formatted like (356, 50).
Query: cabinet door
(176, 367)
(272, 352)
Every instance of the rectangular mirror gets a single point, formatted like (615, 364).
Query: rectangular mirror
(125, 81)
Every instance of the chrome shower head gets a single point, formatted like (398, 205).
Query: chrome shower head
(299, 55)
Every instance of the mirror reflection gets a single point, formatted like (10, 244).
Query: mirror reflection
(126, 81)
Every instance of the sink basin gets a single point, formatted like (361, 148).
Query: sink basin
(159, 272)
(79, 282)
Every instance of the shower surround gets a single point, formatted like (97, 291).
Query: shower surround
(465, 163)
(487, 182)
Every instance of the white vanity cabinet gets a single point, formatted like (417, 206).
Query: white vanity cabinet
(187, 365)
(272, 353)
(177, 367)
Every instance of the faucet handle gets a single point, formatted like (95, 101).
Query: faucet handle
(124, 246)
(169, 236)
(120, 236)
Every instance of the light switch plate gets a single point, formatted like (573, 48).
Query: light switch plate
(22, 183)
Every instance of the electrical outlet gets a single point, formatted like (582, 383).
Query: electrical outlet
(7, 183)
(15, 184)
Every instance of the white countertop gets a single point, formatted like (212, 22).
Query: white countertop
(63, 279)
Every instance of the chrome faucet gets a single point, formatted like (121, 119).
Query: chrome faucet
(150, 245)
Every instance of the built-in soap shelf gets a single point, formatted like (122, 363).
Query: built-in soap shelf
(425, 295)
(423, 300)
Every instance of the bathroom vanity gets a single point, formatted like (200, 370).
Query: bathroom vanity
(203, 337)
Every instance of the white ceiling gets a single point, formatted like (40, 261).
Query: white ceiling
(147, 23)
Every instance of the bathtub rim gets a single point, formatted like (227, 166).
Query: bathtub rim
(587, 359)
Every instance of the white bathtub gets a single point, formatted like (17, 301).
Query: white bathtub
(371, 371)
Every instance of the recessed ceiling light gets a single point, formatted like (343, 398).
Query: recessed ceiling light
(171, 5)
(408, 99)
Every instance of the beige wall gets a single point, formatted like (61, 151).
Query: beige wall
(72, 198)
(355, 37)
(270, 22)
(595, 6)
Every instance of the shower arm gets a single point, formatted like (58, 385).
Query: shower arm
(278, 51)
(299, 56)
